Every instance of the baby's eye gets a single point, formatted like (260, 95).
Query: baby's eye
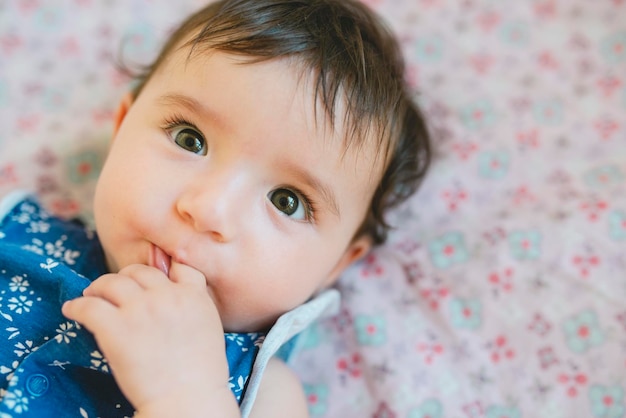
(189, 139)
(289, 203)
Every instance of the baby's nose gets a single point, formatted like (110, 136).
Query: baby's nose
(213, 206)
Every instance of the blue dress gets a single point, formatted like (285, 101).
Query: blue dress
(49, 365)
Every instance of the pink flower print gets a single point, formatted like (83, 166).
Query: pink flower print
(47, 184)
(430, 351)
(545, 9)
(502, 280)
(540, 325)
(583, 332)
(500, 349)
(69, 46)
(522, 194)
(101, 117)
(572, 383)
(28, 123)
(351, 366)
(606, 127)
(342, 321)
(473, 410)
(46, 157)
(65, 207)
(488, 20)
(547, 357)
(528, 139)
(548, 61)
(384, 411)
(495, 235)
(621, 318)
(7, 175)
(617, 225)
(464, 149)
(434, 296)
(585, 263)
(9, 43)
(609, 84)
(372, 266)
(408, 246)
(454, 198)
(481, 63)
(28, 6)
(594, 207)
(413, 272)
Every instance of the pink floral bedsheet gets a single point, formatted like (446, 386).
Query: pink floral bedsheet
(502, 292)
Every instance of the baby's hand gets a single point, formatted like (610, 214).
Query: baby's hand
(161, 335)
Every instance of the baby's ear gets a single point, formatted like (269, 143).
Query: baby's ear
(122, 110)
(355, 251)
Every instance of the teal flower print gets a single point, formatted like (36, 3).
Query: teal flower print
(493, 165)
(431, 408)
(140, 40)
(466, 313)
(449, 249)
(583, 332)
(614, 48)
(49, 17)
(370, 330)
(429, 49)
(497, 411)
(55, 99)
(317, 399)
(606, 401)
(515, 33)
(548, 112)
(604, 176)
(311, 337)
(525, 245)
(617, 225)
(478, 115)
(84, 166)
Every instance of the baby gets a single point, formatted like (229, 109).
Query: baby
(253, 162)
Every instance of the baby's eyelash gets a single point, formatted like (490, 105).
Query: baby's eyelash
(177, 120)
(309, 204)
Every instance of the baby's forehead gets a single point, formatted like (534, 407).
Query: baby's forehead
(363, 140)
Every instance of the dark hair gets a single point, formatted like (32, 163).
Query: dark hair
(354, 58)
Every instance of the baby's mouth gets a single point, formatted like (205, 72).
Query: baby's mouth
(161, 260)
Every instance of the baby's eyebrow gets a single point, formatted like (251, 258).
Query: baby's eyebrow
(323, 189)
(191, 104)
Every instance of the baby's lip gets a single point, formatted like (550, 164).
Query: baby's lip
(161, 260)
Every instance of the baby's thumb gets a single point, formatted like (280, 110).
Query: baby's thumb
(183, 274)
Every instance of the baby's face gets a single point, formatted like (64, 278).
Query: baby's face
(223, 167)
